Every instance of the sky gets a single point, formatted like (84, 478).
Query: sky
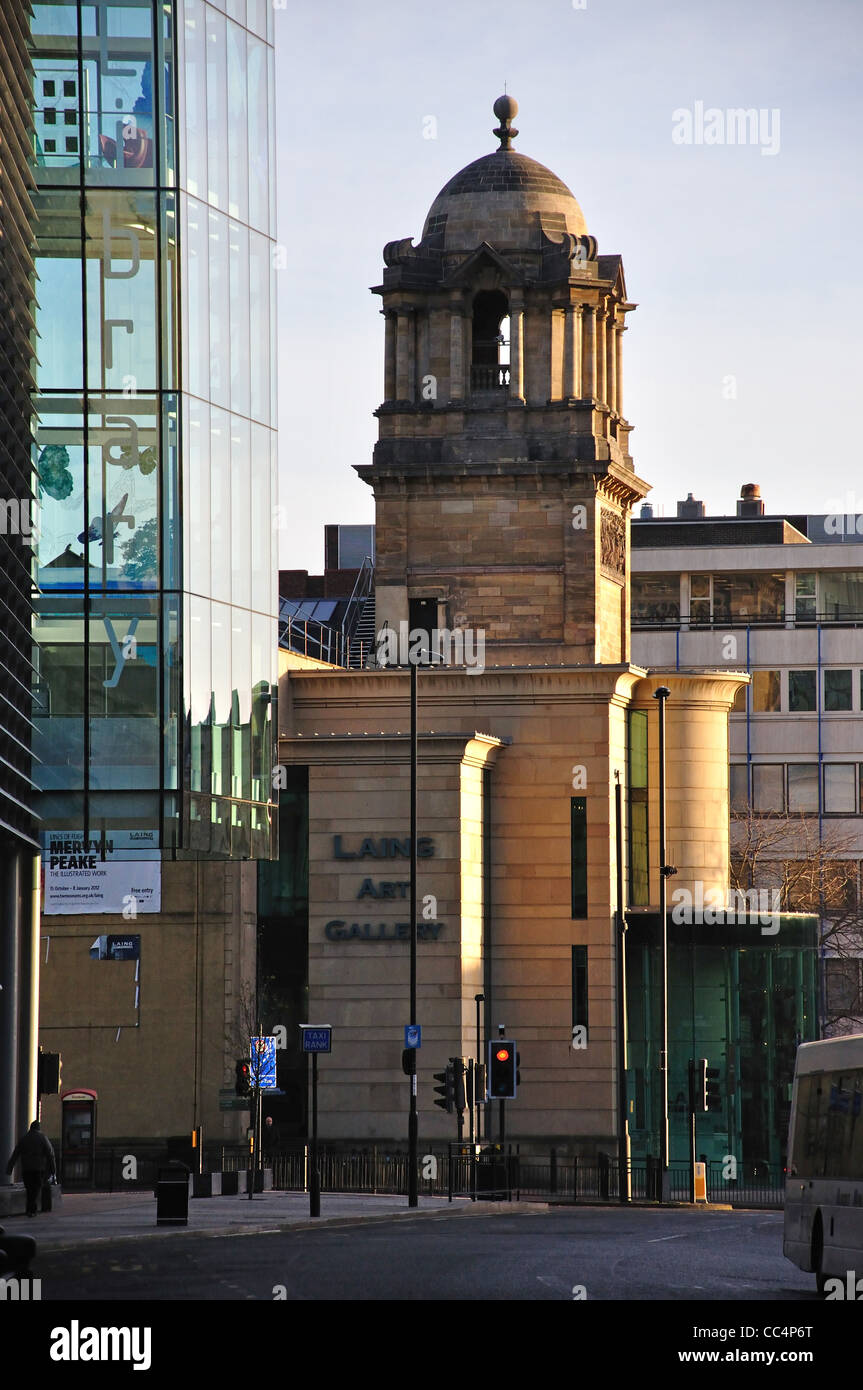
(742, 362)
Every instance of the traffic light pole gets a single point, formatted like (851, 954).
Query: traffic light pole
(413, 1123)
(314, 1176)
(662, 695)
(692, 1131)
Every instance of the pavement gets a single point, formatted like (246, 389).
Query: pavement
(88, 1218)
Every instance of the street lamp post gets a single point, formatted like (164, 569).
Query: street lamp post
(665, 871)
(413, 1123)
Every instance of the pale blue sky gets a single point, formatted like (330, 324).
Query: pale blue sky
(742, 264)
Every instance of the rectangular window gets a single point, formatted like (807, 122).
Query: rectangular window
(639, 875)
(768, 787)
(842, 595)
(844, 982)
(837, 690)
(739, 786)
(804, 597)
(578, 841)
(801, 692)
(699, 599)
(765, 692)
(840, 797)
(579, 989)
(803, 787)
(748, 598)
(656, 598)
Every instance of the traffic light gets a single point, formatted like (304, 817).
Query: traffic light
(243, 1084)
(698, 1085)
(502, 1068)
(517, 1072)
(459, 1087)
(49, 1071)
(480, 1083)
(409, 1061)
(446, 1090)
(712, 1098)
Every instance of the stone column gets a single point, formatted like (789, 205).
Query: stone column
(588, 355)
(404, 355)
(601, 391)
(611, 360)
(619, 330)
(572, 352)
(516, 351)
(456, 354)
(390, 358)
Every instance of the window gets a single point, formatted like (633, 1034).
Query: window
(748, 598)
(844, 985)
(739, 786)
(768, 787)
(837, 690)
(655, 598)
(699, 598)
(639, 876)
(578, 843)
(579, 989)
(840, 796)
(801, 692)
(765, 692)
(804, 597)
(803, 787)
(842, 595)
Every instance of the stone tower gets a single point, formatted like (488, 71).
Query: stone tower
(502, 476)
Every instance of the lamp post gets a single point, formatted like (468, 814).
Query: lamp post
(665, 871)
(413, 1123)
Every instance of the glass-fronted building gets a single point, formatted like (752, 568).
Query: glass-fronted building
(156, 446)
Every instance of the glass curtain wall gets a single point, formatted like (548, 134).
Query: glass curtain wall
(129, 696)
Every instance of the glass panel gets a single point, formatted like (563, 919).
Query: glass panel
(837, 690)
(196, 323)
(220, 505)
(217, 110)
(197, 526)
(168, 344)
(579, 856)
(803, 787)
(739, 786)
(172, 697)
(256, 16)
(58, 711)
(768, 787)
(258, 134)
(238, 150)
(240, 347)
(243, 557)
(241, 675)
(263, 573)
(122, 534)
(222, 693)
(699, 585)
(748, 598)
(801, 691)
(804, 596)
(655, 598)
(119, 131)
(171, 523)
(260, 293)
(59, 311)
(765, 692)
(840, 794)
(59, 455)
(166, 99)
(261, 672)
(220, 320)
(842, 595)
(200, 685)
(122, 339)
(194, 165)
(123, 693)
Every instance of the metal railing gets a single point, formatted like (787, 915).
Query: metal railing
(686, 623)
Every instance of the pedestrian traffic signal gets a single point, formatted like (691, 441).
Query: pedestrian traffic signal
(502, 1068)
(446, 1090)
(712, 1098)
(243, 1084)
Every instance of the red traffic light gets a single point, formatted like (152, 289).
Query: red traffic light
(503, 1054)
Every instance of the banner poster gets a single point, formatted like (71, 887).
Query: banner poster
(77, 879)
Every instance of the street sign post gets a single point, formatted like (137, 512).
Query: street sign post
(317, 1038)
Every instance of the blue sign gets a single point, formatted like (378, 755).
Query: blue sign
(413, 1035)
(263, 1063)
(317, 1039)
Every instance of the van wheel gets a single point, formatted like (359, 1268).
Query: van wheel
(818, 1255)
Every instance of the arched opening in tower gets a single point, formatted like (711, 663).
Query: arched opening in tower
(490, 340)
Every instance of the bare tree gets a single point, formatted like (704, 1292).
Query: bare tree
(816, 874)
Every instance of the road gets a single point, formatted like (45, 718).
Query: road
(537, 1254)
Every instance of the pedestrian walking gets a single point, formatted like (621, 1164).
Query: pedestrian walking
(38, 1165)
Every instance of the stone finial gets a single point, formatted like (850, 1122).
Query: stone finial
(506, 110)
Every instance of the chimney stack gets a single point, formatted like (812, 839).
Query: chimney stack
(646, 513)
(750, 503)
(690, 510)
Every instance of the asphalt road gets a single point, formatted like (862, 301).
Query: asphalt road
(556, 1254)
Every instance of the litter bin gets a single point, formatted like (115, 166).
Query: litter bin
(172, 1195)
(491, 1176)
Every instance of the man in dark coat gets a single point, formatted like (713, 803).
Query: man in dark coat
(37, 1164)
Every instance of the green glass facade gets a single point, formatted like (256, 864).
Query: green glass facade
(742, 1000)
(155, 449)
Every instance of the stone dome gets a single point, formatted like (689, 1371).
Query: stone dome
(504, 198)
